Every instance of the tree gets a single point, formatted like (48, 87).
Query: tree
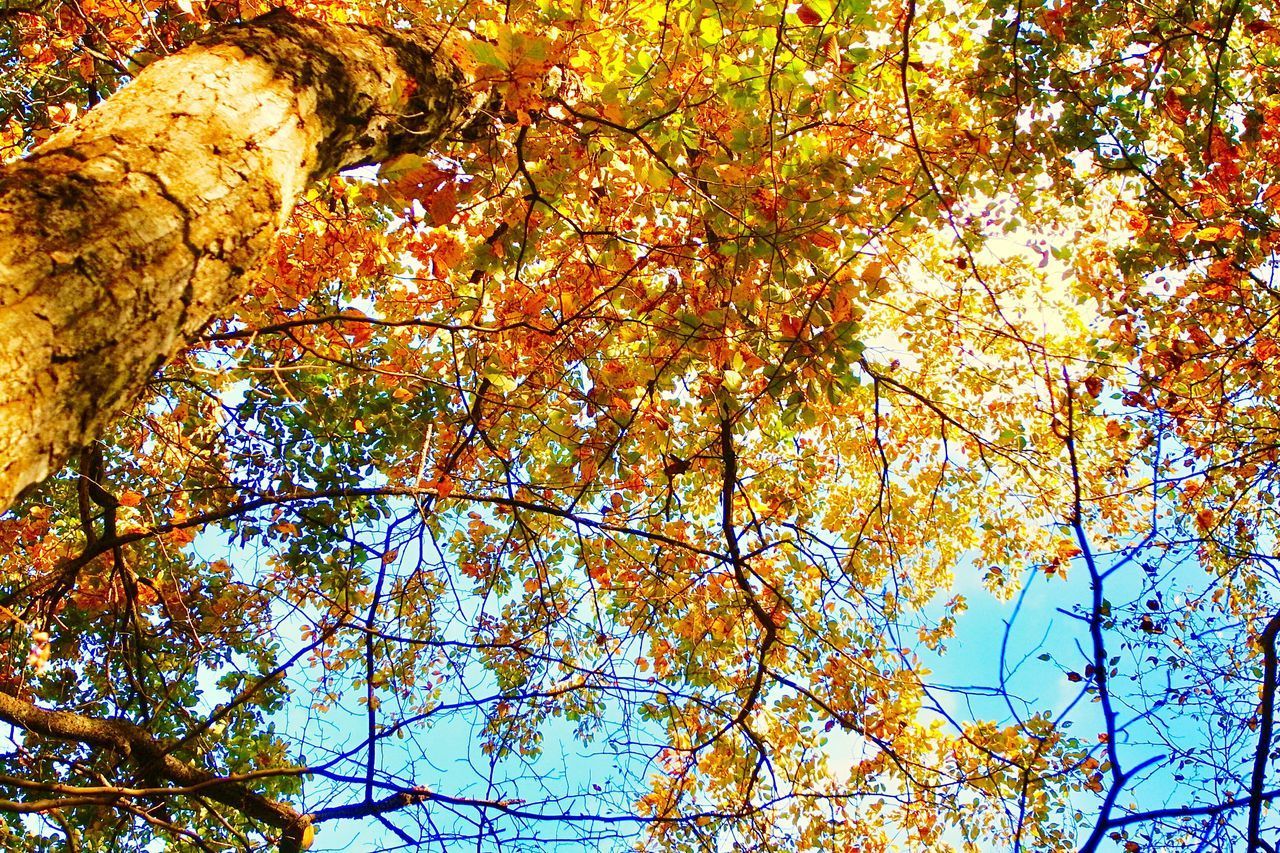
(616, 461)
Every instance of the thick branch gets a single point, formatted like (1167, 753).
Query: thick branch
(149, 754)
(1257, 785)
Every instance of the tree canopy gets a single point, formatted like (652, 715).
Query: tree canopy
(826, 425)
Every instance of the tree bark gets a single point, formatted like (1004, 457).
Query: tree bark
(122, 235)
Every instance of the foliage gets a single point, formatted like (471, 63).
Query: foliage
(620, 478)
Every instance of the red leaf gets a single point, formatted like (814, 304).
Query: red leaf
(808, 16)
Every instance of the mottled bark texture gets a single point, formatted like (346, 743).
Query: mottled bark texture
(123, 234)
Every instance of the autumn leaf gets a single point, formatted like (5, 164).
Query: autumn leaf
(808, 16)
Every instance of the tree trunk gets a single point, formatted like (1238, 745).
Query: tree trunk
(123, 234)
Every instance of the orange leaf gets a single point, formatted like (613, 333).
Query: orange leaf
(444, 487)
(823, 239)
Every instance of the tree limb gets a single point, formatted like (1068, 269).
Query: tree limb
(151, 755)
